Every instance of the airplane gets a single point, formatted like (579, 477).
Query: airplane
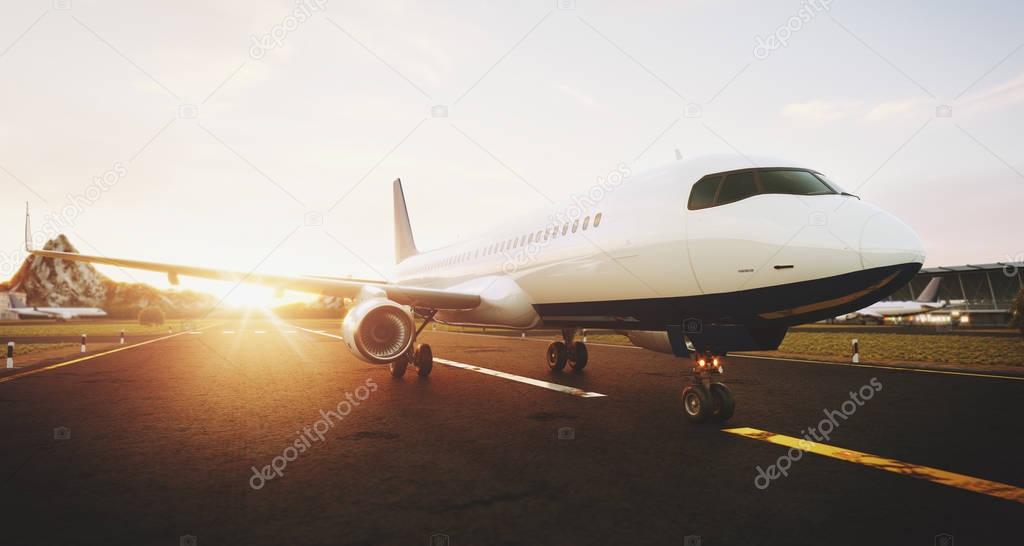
(59, 313)
(720, 254)
(926, 302)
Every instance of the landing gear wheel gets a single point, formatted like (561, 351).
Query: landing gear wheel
(578, 356)
(696, 403)
(724, 403)
(557, 356)
(424, 360)
(397, 367)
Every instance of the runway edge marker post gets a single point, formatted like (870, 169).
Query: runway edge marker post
(10, 355)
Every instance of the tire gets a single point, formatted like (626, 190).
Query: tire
(397, 367)
(557, 356)
(724, 403)
(424, 360)
(578, 357)
(696, 403)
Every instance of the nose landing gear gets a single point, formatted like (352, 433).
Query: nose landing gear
(705, 399)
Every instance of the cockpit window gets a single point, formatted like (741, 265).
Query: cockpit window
(724, 188)
(794, 182)
(703, 194)
(737, 186)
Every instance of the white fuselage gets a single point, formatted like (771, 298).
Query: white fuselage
(649, 246)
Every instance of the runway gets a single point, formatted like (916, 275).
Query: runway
(170, 439)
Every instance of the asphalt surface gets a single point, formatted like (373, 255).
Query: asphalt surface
(161, 440)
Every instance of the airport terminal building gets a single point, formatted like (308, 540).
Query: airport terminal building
(979, 295)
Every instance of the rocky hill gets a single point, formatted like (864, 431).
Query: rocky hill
(49, 282)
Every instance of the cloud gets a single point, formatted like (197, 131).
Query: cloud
(579, 97)
(994, 98)
(821, 111)
(899, 108)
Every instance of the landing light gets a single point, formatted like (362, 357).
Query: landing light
(702, 363)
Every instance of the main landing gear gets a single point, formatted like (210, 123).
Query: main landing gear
(419, 354)
(703, 399)
(569, 352)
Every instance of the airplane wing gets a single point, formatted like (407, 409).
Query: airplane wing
(407, 295)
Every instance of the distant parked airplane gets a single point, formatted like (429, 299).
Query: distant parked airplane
(926, 302)
(59, 313)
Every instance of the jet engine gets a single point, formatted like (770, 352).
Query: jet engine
(378, 330)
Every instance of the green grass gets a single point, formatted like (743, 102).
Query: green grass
(980, 350)
(22, 349)
(92, 328)
(878, 347)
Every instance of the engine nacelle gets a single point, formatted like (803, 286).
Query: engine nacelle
(653, 341)
(378, 330)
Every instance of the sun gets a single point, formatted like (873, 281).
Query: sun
(252, 297)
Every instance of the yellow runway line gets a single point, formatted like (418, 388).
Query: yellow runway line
(950, 479)
(90, 357)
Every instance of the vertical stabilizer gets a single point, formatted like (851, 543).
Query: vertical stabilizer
(28, 230)
(405, 245)
(930, 294)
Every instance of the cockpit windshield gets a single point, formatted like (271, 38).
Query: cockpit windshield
(723, 188)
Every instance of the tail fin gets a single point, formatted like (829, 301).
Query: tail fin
(405, 246)
(28, 230)
(930, 294)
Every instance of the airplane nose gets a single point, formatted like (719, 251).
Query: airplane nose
(885, 241)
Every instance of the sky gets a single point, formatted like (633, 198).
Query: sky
(264, 135)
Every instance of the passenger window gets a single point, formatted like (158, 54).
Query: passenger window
(586, 222)
(736, 187)
(597, 219)
(702, 195)
(575, 225)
